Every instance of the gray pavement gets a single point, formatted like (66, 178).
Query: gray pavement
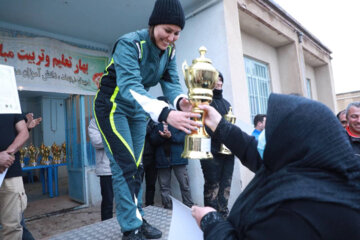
(110, 229)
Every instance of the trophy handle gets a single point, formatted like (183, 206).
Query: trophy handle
(184, 66)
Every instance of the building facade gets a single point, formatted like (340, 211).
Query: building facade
(344, 99)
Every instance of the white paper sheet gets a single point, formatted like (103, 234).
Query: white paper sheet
(9, 97)
(2, 176)
(183, 225)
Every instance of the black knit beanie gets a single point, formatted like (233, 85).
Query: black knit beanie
(221, 76)
(167, 12)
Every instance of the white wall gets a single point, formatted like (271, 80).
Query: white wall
(261, 51)
(208, 29)
(326, 91)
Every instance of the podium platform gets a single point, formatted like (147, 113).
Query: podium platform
(110, 229)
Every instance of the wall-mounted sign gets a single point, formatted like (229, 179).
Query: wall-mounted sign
(9, 97)
(49, 65)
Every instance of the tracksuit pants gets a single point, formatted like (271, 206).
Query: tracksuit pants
(124, 138)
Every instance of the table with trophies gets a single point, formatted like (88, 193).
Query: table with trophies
(47, 159)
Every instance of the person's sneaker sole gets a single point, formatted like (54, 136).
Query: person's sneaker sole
(153, 236)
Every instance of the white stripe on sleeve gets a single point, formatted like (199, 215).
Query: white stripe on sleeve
(152, 106)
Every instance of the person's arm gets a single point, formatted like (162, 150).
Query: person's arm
(170, 84)
(6, 160)
(214, 226)
(128, 80)
(95, 135)
(155, 138)
(165, 133)
(21, 137)
(284, 223)
(31, 122)
(242, 145)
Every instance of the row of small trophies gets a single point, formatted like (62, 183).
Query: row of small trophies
(57, 153)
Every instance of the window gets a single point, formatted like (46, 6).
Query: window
(259, 86)
(308, 88)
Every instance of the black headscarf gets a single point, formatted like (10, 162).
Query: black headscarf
(307, 156)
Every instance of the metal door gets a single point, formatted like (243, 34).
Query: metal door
(75, 151)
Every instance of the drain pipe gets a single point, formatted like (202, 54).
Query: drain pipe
(202, 8)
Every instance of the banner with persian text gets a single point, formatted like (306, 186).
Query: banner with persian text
(49, 65)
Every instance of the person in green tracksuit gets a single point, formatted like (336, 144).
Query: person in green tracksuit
(122, 106)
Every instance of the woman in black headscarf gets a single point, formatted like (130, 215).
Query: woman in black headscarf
(306, 187)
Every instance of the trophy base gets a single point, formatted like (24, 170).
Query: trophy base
(197, 155)
(32, 164)
(197, 147)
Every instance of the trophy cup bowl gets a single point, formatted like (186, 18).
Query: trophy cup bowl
(232, 119)
(200, 79)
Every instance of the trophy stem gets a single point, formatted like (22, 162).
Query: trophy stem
(198, 144)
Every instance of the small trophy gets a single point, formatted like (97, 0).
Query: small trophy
(230, 118)
(45, 153)
(23, 152)
(33, 153)
(200, 80)
(63, 150)
(56, 151)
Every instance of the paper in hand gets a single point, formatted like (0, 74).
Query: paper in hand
(2, 176)
(183, 225)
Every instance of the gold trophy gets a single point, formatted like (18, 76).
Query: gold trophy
(56, 151)
(45, 153)
(230, 118)
(33, 153)
(200, 80)
(23, 152)
(63, 150)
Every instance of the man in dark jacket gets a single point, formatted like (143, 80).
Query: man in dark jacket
(169, 144)
(307, 185)
(353, 127)
(218, 172)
